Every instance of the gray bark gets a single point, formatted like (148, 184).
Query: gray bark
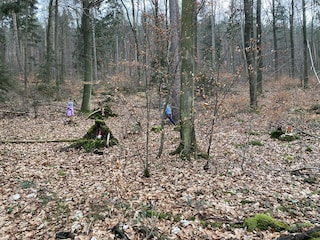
(259, 48)
(292, 40)
(249, 53)
(305, 46)
(174, 61)
(87, 37)
(275, 40)
(188, 30)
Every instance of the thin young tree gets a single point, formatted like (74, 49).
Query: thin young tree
(147, 91)
(305, 46)
(249, 51)
(213, 33)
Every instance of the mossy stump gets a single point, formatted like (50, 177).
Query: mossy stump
(283, 136)
(264, 222)
(98, 136)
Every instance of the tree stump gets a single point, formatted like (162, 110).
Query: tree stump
(98, 136)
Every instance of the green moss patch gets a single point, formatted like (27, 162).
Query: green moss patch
(315, 235)
(277, 133)
(149, 213)
(27, 184)
(246, 201)
(255, 143)
(315, 108)
(298, 227)
(282, 136)
(264, 222)
(288, 138)
(156, 129)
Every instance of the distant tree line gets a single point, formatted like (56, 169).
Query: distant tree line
(129, 36)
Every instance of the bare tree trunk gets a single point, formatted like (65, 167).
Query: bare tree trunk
(249, 53)
(232, 48)
(275, 40)
(213, 34)
(25, 60)
(147, 91)
(3, 44)
(87, 37)
(259, 48)
(188, 29)
(174, 60)
(21, 68)
(292, 40)
(94, 49)
(49, 52)
(17, 42)
(56, 52)
(305, 46)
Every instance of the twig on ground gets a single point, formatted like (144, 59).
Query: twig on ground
(308, 134)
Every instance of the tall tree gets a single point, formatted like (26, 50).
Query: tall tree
(305, 46)
(56, 50)
(275, 39)
(12, 9)
(16, 41)
(87, 55)
(5, 81)
(213, 33)
(24, 26)
(292, 40)
(172, 78)
(174, 56)
(188, 31)
(2, 44)
(49, 50)
(259, 47)
(249, 51)
(108, 37)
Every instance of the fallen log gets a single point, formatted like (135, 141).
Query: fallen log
(18, 113)
(309, 234)
(37, 141)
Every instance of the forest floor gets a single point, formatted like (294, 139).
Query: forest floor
(46, 191)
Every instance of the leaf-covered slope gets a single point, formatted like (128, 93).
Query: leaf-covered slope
(45, 191)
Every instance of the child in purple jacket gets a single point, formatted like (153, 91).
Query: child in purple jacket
(69, 112)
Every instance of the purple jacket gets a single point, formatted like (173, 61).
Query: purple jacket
(70, 110)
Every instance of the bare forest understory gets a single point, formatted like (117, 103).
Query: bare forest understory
(50, 192)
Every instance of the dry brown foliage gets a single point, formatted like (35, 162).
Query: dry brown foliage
(45, 191)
